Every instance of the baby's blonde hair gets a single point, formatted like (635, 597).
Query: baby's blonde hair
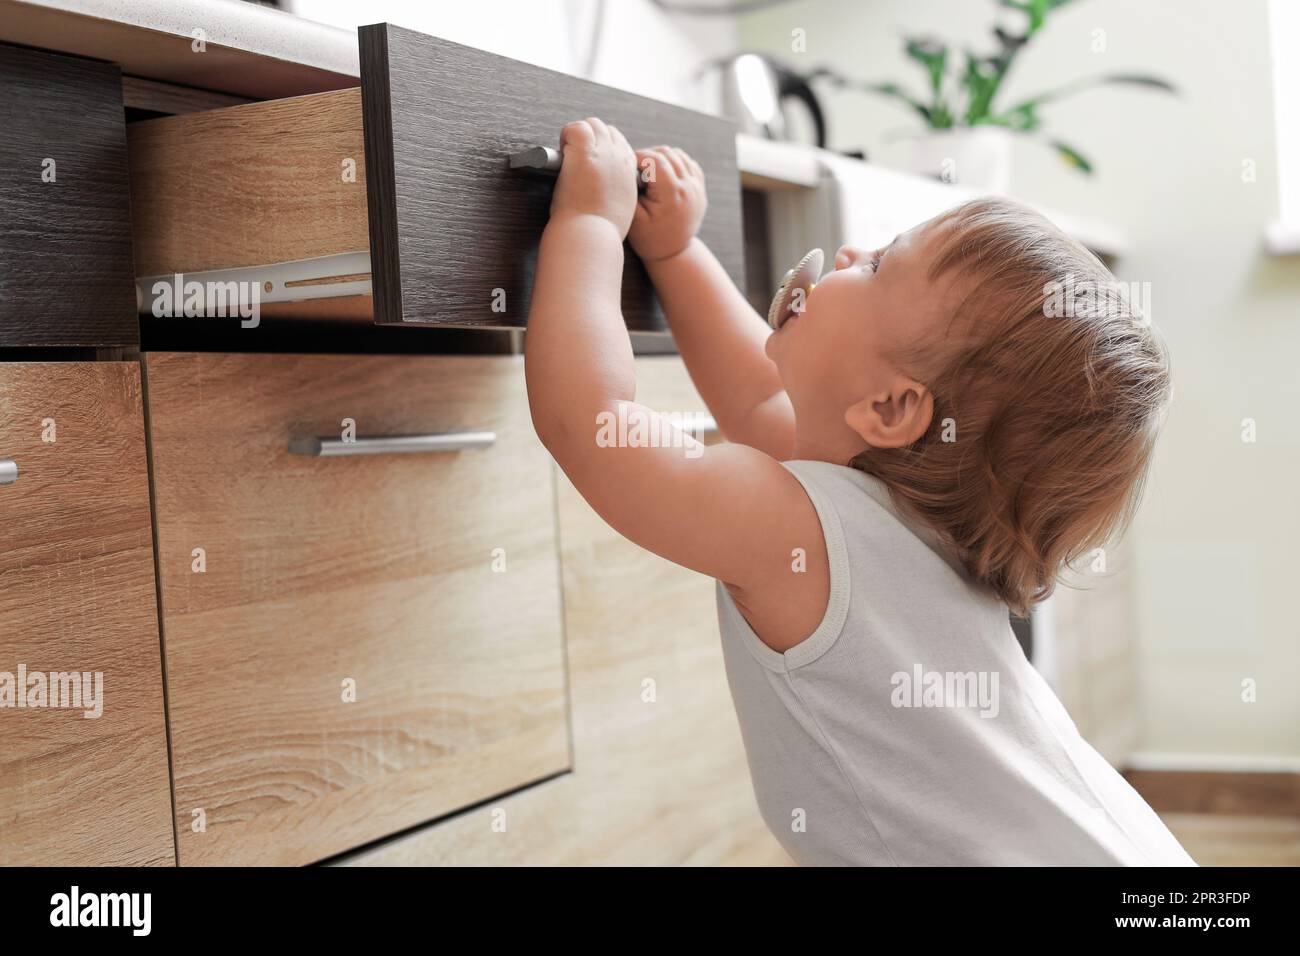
(1048, 389)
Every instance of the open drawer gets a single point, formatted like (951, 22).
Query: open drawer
(359, 636)
(395, 201)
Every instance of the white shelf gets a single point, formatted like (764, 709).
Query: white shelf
(772, 166)
(1282, 239)
(767, 164)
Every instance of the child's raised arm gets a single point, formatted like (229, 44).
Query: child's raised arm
(729, 511)
(719, 335)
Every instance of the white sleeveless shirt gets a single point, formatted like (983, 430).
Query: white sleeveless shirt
(909, 728)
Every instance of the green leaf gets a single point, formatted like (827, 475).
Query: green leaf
(1111, 79)
(1035, 10)
(1022, 119)
(980, 85)
(1072, 156)
(933, 56)
(1138, 79)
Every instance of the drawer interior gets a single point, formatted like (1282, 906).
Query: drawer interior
(255, 185)
(427, 580)
(394, 202)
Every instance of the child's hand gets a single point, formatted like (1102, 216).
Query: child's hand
(670, 212)
(598, 175)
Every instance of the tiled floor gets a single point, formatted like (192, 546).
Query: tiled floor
(1237, 840)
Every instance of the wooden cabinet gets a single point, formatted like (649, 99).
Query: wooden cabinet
(403, 184)
(83, 776)
(659, 773)
(65, 220)
(355, 644)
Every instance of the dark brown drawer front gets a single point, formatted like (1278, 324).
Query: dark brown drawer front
(65, 242)
(450, 223)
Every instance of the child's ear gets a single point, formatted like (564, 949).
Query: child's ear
(895, 418)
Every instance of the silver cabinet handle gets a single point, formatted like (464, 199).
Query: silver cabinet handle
(545, 159)
(8, 471)
(542, 159)
(392, 444)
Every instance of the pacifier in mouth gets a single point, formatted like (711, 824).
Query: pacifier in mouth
(799, 282)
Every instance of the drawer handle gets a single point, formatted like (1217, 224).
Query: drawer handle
(545, 159)
(392, 444)
(538, 159)
(8, 471)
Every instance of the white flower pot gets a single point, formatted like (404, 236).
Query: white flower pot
(977, 157)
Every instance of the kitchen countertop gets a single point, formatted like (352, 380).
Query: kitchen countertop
(249, 50)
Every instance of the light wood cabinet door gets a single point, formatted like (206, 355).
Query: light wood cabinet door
(659, 772)
(355, 644)
(83, 776)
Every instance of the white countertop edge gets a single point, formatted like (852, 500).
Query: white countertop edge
(228, 23)
(1282, 239)
(787, 164)
(795, 165)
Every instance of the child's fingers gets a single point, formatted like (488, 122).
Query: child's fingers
(683, 161)
(641, 214)
(674, 161)
(645, 167)
(693, 172)
(661, 174)
(598, 127)
(620, 141)
(648, 163)
(579, 133)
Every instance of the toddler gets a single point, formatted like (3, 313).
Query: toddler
(921, 443)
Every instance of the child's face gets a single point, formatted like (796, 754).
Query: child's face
(875, 304)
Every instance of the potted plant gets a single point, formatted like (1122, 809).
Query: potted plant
(968, 132)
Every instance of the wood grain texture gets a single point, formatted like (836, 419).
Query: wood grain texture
(1237, 840)
(77, 594)
(65, 246)
(375, 568)
(450, 223)
(248, 185)
(1244, 793)
(653, 783)
(169, 99)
